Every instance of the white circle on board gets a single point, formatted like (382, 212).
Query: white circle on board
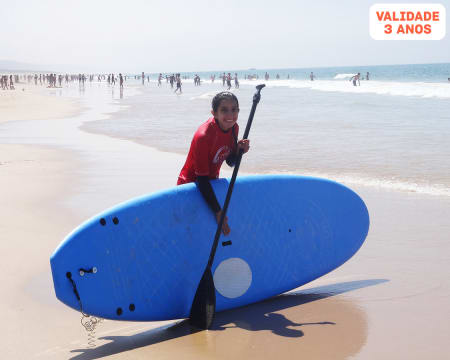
(232, 277)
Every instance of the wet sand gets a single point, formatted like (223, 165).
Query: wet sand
(40, 101)
(389, 301)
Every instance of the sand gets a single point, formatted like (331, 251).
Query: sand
(389, 301)
(29, 102)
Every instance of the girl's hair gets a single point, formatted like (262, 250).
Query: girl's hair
(224, 95)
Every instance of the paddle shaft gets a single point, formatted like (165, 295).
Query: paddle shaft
(256, 99)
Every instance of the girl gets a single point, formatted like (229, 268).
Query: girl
(213, 142)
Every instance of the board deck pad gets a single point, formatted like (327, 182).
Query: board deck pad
(142, 260)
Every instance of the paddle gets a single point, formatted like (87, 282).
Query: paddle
(204, 305)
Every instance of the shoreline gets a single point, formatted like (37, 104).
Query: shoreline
(349, 181)
(385, 181)
(50, 190)
(29, 102)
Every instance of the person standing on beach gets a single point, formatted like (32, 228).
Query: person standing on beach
(159, 79)
(355, 79)
(121, 80)
(229, 81)
(367, 76)
(178, 80)
(236, 81)
(224, 77)
(214, 142)
(311, 76)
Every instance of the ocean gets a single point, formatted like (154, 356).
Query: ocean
(392, 131)
(402, 73)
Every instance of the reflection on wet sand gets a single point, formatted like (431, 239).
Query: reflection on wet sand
(314, 323)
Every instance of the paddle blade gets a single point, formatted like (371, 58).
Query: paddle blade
(204, 304)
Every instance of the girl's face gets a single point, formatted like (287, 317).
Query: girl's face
(226, 114)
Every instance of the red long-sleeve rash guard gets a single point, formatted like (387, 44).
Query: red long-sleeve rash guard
(209, 148)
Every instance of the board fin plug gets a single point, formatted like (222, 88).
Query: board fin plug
(204, 305)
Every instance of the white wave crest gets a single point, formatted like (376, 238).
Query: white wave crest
(343, 76)
(419, 89)
(386, 184)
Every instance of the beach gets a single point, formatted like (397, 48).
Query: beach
(28, 99)
(57, 169)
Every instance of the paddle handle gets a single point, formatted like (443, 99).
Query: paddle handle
(256, 99)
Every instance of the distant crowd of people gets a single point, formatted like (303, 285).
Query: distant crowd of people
(172, 79)
(228, 79)
(48, 80)
(111, 79)
(53, 80)
(7, 81)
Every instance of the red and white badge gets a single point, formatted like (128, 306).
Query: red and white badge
(407, 21)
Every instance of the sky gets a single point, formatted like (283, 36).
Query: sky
(203, 35)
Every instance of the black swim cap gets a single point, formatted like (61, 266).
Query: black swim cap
(224, 95)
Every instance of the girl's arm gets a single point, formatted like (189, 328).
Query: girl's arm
(207, 192)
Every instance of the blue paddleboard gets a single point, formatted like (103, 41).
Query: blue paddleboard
(142, 260)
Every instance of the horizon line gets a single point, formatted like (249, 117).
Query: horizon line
(203, 71)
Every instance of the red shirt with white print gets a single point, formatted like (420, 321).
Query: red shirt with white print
(209, 148)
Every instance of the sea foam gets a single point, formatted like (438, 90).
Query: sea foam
(384, 184)
(419, 89)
